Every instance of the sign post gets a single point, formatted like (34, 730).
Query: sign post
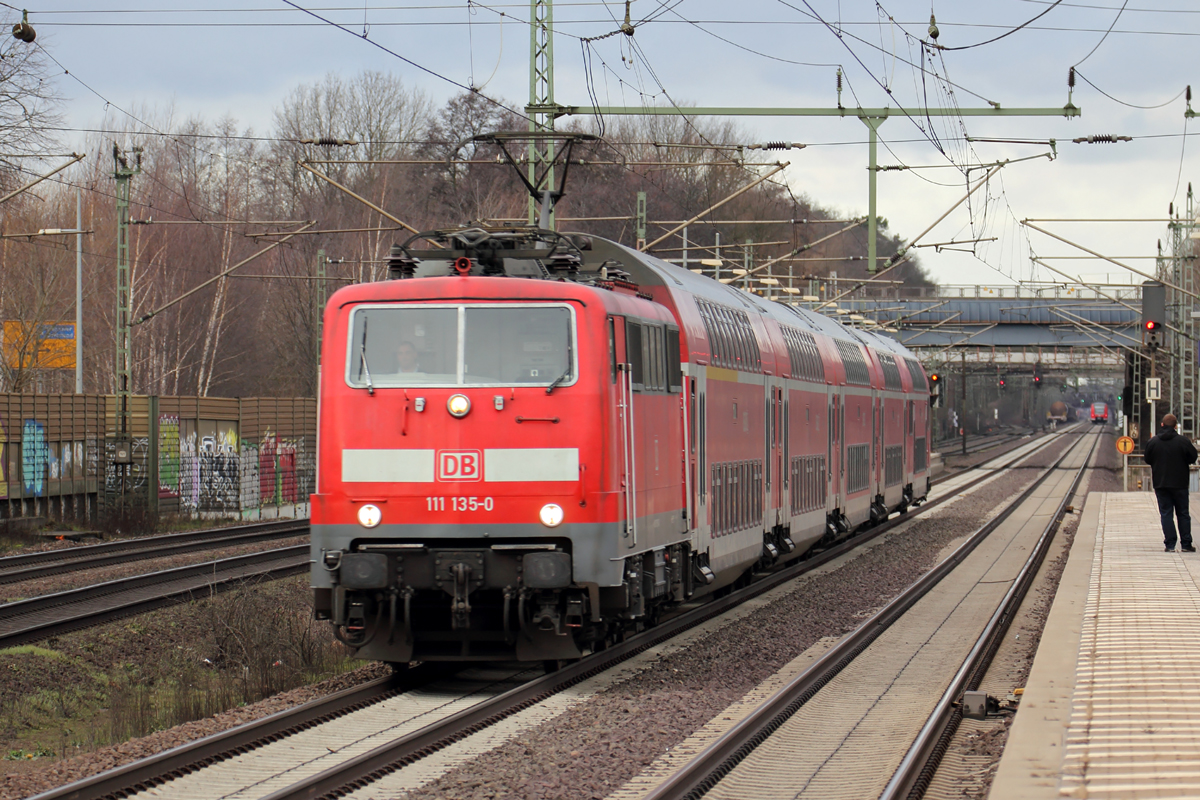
(1124, 457)
(1125, 447)
(1153, 393)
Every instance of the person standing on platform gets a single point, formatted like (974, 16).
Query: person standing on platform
(1169, 455)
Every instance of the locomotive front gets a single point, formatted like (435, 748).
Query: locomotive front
(461, 509)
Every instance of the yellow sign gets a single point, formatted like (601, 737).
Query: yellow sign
(1124, 445)
(39, 345)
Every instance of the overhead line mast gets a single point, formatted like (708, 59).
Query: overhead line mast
(541, 108)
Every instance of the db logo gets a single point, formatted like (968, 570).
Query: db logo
(459, 465)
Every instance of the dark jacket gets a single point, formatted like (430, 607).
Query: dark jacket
(1169, 456)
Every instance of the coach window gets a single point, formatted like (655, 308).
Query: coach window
(674, 361)
(656, 358)
(612, 350)
(730, 354)
(692, 415)
(647, 358)
(739, 335)
(633, 351)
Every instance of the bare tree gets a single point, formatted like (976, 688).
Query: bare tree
(29, 102)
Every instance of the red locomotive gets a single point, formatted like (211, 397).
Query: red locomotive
(531, 442)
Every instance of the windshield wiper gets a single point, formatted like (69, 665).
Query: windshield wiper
(559, 380)
(362, 351)
(570, 358)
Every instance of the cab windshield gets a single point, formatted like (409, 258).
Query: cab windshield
(461, 345)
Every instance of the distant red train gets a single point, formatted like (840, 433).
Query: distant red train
(531, 443)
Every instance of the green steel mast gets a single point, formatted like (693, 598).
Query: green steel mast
(123, 173)
(541, 108)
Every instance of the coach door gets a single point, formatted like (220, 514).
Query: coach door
(910, 434)
(623, 402)
(836, 451)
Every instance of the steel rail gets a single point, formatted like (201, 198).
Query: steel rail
(61, 612)
(695, 778)
(978, 443)
(189, 757)
(149, 772)
(27, 566)
(368, 767)
(920, 763)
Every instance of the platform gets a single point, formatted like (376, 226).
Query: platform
(1111, 708)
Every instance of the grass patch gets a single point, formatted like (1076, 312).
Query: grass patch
(30, 650)
(161, 669)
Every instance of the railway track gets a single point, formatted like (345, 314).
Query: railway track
(843, 727)
(979, 444)
(52, 614)
(29, 566)
(422, 721)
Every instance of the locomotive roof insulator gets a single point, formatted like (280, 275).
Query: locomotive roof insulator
(560, 262)
(612, 270)
(400, 264)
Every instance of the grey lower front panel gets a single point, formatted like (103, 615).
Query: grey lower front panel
(430, 593)
(596, 548)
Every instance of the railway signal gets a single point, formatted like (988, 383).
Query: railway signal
(935, 390)
(1002, 386)
(1154, 311)
(1153, 337)
(1037, 376)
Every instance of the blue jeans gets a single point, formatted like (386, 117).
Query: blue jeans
(1174, 502)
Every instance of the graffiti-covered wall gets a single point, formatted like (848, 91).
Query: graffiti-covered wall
(249, 457)
(236, 457)
(50, 446)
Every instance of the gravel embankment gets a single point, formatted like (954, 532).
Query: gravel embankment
(596, 747)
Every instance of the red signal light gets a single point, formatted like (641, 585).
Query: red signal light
(1151, 324)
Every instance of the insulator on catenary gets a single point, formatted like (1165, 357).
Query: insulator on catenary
(329, 141)
(778, 146)
(1071, 78)
(1102, 138)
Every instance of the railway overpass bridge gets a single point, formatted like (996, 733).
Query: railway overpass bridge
(1065, 330)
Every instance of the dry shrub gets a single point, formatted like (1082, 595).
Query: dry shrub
(261, 639)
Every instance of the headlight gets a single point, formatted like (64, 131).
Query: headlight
(369, 515)
(458, 405)
(551, 515)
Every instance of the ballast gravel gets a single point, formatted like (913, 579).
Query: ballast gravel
(593, 749)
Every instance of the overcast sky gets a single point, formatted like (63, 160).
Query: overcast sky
(218, 58)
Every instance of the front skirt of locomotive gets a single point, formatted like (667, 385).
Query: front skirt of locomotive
(415, 598)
